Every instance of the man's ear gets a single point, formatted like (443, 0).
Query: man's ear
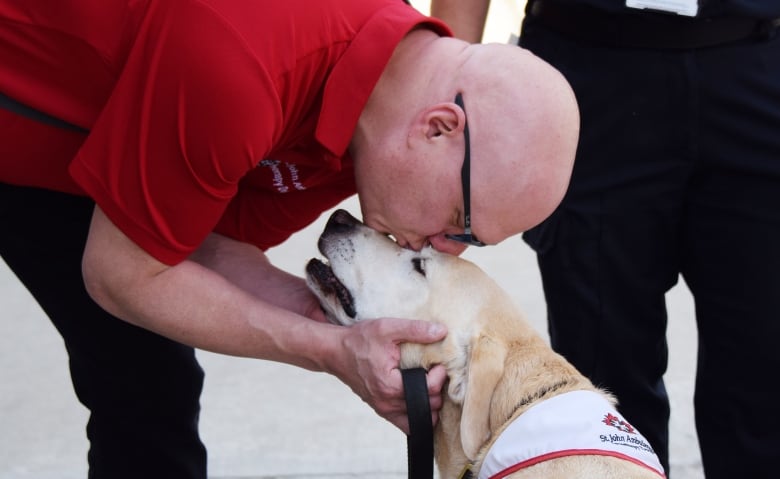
(443, 119)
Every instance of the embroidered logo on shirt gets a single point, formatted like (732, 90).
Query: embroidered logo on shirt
(281, 183)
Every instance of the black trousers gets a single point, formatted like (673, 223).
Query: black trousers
(677, 172)
(141, 389)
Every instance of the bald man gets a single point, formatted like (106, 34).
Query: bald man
(408, 146)
(170, 143)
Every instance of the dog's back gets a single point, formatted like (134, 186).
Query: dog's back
(530, 377)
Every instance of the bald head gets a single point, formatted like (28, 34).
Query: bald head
(524, 124)
(409, 144)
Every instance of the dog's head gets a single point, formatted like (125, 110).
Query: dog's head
(369, 276)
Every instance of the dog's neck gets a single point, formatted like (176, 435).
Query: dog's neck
(528, 380)
(537, 396)
(532, 380)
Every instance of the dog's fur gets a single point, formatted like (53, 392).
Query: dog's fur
(498, 366)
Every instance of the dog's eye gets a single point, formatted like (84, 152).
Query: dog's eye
(419, 265)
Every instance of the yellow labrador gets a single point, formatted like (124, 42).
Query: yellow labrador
(513, 407)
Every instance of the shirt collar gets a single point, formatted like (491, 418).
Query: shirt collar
(356, 73)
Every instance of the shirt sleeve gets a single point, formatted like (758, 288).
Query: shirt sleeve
(192, 112)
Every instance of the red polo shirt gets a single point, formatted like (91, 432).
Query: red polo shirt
(204, 115)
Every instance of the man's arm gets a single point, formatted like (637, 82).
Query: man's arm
(247, 267)
(247, 307)
(466, 18)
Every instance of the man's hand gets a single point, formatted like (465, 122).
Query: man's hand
(369, 365)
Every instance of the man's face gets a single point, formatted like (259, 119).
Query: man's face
(421, 194)
(415, 219)
(420, 206)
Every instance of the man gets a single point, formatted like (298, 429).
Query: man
(677, 172)
(172, 142)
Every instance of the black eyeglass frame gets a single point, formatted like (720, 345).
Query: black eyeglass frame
(468, 236)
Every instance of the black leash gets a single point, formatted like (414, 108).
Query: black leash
(419, 442)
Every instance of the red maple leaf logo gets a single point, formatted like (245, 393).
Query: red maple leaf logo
(617, 423)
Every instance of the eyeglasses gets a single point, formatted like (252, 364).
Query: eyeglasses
(465, 177)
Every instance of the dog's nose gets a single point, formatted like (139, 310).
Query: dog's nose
(340, 220)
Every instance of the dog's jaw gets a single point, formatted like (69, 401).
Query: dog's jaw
(335, 299)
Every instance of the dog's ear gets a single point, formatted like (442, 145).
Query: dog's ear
(485, 368)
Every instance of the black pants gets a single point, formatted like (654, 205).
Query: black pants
(677, 172)
(142, 390)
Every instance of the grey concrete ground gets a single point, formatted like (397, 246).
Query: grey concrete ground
(263, 420)
(267, 420)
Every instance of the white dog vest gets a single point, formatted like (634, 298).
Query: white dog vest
(574, 423)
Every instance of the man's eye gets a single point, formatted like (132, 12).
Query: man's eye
(419, 265)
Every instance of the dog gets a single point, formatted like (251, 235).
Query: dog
(513, 408)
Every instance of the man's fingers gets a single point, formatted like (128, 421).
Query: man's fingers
(399, 330)
(423, 332)
(436, 378)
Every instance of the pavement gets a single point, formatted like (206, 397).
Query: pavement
(264, 420)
